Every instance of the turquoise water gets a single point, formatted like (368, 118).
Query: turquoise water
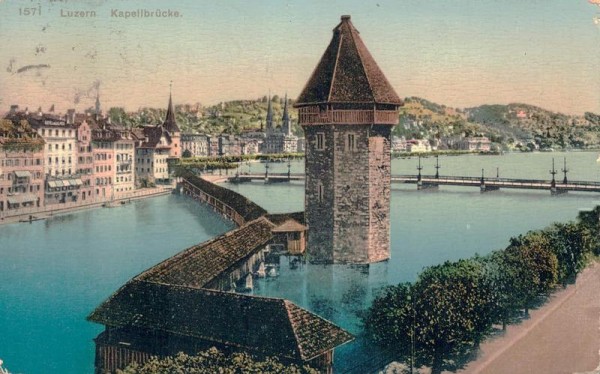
(53, 273)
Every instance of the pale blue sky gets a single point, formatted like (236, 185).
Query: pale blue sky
(460, 53)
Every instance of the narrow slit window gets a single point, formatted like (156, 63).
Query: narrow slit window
(351, 143)
(320, 192)
(320, 141)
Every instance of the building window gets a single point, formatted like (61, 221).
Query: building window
(320, 141)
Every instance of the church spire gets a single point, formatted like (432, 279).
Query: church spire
(269, 115)
(98, 108)
(170, 123)
(287, 124)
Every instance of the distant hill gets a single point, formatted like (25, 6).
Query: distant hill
(545, 128)
(511, 126)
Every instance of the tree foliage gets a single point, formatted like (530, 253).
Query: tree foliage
(448, 310)
(452, 307)
(215, 361)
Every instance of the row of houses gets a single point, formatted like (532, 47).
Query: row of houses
(50, 159)
(472, 144)
(273, 139)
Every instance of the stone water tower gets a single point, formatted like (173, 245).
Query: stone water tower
(347, 110)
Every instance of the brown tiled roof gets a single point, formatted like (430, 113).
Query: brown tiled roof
(153, 135)
(200, 264)
(347, 73)
(242, 205)
(289, 225)
(266, 325)
(279, 218)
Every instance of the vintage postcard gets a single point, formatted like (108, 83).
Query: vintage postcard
(299, 186)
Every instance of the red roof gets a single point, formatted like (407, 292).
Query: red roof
(347, 73)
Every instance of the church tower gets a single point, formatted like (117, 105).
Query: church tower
(98, 108)
(286, 126)
(170, 125)
(269, 120)
(347, 110)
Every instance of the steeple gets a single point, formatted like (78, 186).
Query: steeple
(170, 123)
(269, 115)
(286, 126)
(98, 108)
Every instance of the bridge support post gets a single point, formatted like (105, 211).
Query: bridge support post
(484, 188)
(427, 186)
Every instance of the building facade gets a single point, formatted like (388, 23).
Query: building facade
(103, 153)
(347, 111)
(85, 160)
(21, 167)
(195, 144)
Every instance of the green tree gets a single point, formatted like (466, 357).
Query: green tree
(214, 361)
(449, 310)
(569, 242)
(590, 222)
(532, 266)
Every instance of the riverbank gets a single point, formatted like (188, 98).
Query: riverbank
(36, 214)
(563, 336)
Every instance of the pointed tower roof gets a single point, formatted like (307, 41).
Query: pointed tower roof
(269, 110)
(98, 108)
(347, 73)
(286, 115)
(170, 123)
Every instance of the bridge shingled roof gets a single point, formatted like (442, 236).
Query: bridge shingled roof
(271, 326)
(198, 265)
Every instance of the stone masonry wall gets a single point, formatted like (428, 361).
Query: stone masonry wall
(351, 206)
(319, 214)
(379, 192)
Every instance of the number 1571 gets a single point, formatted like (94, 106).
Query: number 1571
(30, 11)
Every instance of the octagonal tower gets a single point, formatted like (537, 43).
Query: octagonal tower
(347, 110)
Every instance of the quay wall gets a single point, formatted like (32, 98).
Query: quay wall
(228, 203)
(49, 210)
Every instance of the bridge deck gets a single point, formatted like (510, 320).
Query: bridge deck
(430, 180)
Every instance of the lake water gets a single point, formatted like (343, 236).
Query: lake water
(54, 273)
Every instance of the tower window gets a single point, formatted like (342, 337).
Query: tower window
(320, 192)
(351, 143)
(320, 141)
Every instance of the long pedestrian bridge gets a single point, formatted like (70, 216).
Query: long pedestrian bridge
(424, 182)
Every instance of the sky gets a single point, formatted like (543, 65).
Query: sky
(461, 53)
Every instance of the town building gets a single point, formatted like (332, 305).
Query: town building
(195, 145)
(152, 155)
(63, 184)
(475, 144)
(103, 153)
(418, 146)
(85, 156)
(347, 110)
(229, 145)
(124, 168)
(21, 166)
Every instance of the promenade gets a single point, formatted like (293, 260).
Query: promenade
(562, 336)
(50, 210)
